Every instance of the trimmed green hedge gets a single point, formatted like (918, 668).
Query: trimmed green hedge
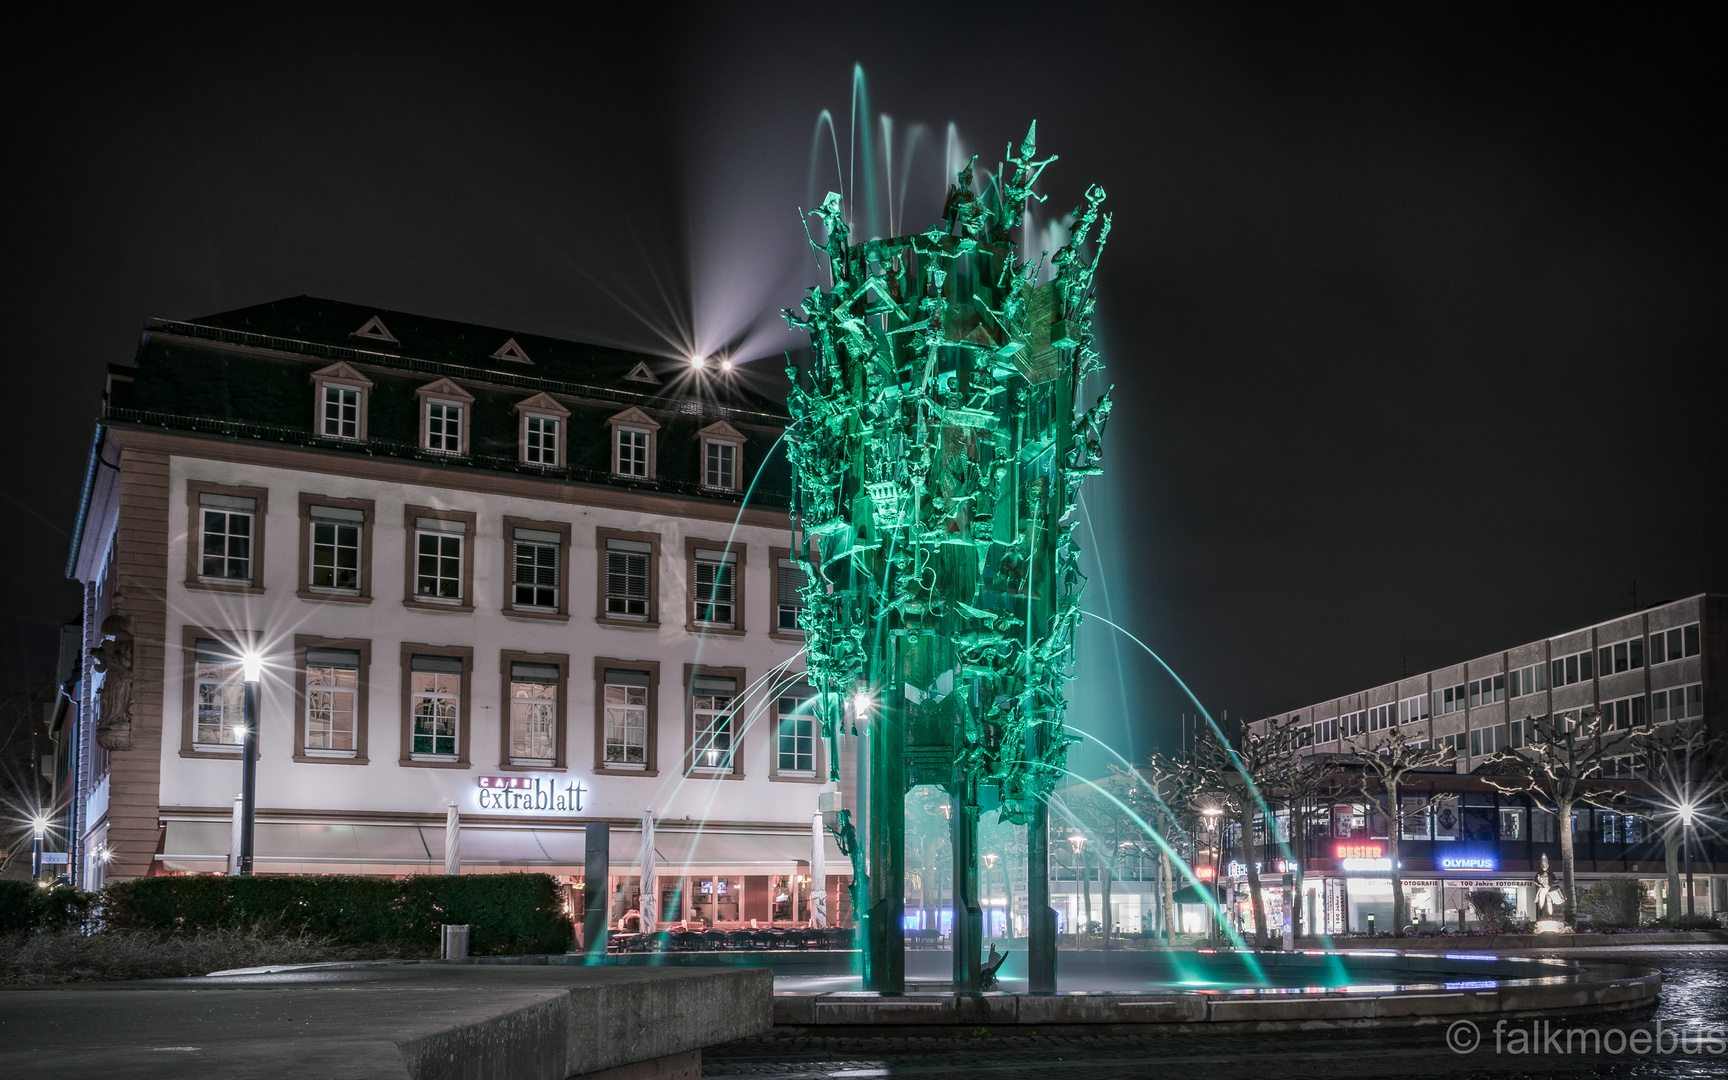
(507, 913)
(25, 905)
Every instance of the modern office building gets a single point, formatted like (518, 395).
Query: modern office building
(1663, 665)
(542, 582)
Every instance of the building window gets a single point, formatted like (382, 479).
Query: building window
(443, 427)
(221, 696)
(533, 714)
(1624, 714)
(630, 456)
(716, 584)
(1529, 680)
(341, 412)
(435, 687)
(227, 528)
(332, 700)
(335, 549)
(1620, 656)
(1675, 644)
(1566, 670)
(628, 578)
(1511, 823)
(1449, 699)
(438, 560)
(720, 464)
(788, 595)
(536, 569)
(1412, 709)
(796, 742)
(626, 719)
(711, 739)
(540, 440)
(1677, 704)
(1487, 691)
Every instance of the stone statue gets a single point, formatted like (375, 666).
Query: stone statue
(113, 661)
(1549, 895)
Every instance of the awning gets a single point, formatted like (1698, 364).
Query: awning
(1191, 894)
(340, 848)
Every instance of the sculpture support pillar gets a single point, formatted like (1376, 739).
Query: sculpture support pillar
(968, 913)
(1040, 916)
(885, 933)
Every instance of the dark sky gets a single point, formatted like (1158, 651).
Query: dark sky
(1415, 318)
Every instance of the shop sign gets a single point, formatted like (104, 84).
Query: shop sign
(1469, 862)
(1356, 849)
(1382, 866)
(531, 795)
(1205, 873)
(1238, 869)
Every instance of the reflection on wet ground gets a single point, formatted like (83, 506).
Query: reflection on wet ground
(1686, 1036)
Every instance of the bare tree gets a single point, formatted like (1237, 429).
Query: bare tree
(1561, 766)
(1177, 818)
(1386, 767)
(1299, 783)
(1671, 757)
(1231, 779)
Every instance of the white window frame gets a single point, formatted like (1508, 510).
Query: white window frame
(444, 437)
(803, 732)
(783, 569)
(534, 444)
(1667, 657)
(709, 446)
(713, 728)
(342, 403)
(718, 565)
(442, 700)
(226, 678)
(533, 704)
(454, 531)
(630, 549)
(541, 541)
(230, 508)
(323, 705)
(619, 431)
(336, 519)
(625, 711)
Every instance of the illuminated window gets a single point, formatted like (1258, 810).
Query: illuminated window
(533, 714)
(332, 694)
(436, 688)
(711, 723)
(221, 702)
(626, 719)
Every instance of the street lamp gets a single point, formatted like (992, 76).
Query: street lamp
(1213, 814)
(990, 858)
(39, 827)
(251, 669)
(1688, 811)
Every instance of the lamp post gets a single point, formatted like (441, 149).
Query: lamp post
(1212, 814)
(990, 858)
(252, 668)
(1688, 811)
(1082, 880)
(39, 828)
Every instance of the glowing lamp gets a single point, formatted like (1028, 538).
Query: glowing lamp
(725, 365)
(40, 824)
(251, 665)
(1077, 842)
(861, 703)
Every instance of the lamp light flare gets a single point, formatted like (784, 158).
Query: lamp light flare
(251, 665)
(861, 703)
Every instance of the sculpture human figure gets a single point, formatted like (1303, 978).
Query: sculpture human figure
(113, 661)
(1549, 895)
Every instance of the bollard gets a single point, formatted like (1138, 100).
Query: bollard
(454, 945)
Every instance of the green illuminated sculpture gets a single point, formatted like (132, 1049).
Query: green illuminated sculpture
(938, 455)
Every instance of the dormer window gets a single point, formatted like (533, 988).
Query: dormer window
(339, 403)
(634, 455)
(542, 436)
(722, 456)
(444, 418)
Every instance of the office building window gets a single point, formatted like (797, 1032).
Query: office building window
(220, 688)
(1566, 670)
(711, 739)
(1449, 699)
(335, 554)
(1413, 709)
(720, 464)
(533, 714)
(628, 578)
(227, 526)
(1620, 656)
(631, 452)
(332, 699)
(540, 440)
(1670, 645)
(1678, 703)
(1355, 723)
(796, 741)
(536, 569)
(1529, 680)
(1624, 714)
(716, 586)
(341, 412)
(438, 554)
(1511, 823)
(1488, 690)
(435, 685)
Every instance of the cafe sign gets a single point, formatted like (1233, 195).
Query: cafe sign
(530, 795)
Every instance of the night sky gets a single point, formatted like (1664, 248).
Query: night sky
(1416, 320)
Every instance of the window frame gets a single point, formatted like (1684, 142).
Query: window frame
(464, 700)
(601, 616)
(708, 446)
(508, 598)
(444, 392)
(561, 711)
(775, 631)
(740, 589)
(544, 407)
(722, 433)
(651, 668)
(366, 507)
(195, 536)
(341, 375)
(820, 774)
(690, 770)
(411, 549)
(240, 641)
(1697, 628)
(635, 419)
(363, 692)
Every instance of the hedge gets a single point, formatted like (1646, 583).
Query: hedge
(25, 906)
(506, 913)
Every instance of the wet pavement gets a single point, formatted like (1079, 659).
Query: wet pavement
(1686, 1036)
